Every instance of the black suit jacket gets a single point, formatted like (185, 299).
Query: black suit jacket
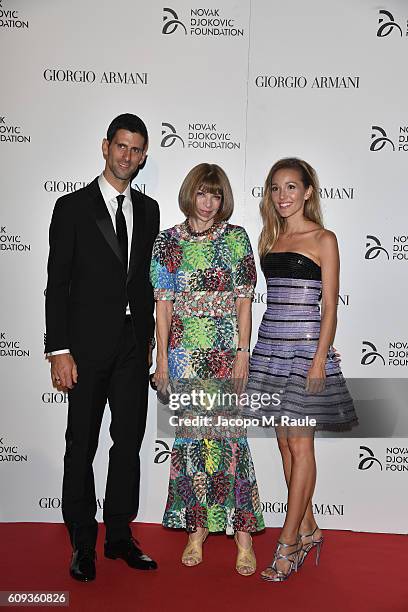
(88, 289)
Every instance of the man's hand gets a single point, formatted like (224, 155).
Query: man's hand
(161, 376)
(64, 373)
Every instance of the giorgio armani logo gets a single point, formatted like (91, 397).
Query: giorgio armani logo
(367, 459)
(387, 24)
(89, 77)
(51, 397)
(171, 22)
(141, 187)
(62, 186)
(379, 139)
(162, 451)
(170, 136)
(262, 298)
(68, 186)
(370, 353)
(279, 507)
(279, 81)
(49, 503)
(374, 248)
(343, 299)
(326, 193)
(336, 193)
(54, 503)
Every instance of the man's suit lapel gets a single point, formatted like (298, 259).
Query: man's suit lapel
(103, 219)
(138, 237)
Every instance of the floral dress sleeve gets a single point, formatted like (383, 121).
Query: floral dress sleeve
(163, 266)
(244, 271)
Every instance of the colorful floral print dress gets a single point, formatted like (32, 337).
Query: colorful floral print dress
(212, 479)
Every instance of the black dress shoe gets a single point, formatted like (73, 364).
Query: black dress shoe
(129, 551)
(83, 564)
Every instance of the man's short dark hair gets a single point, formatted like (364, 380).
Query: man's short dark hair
(129, 122)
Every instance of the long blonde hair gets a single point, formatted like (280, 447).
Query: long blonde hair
(273, 223)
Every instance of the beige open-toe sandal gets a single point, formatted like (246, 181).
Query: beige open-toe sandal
(246, 561)
(193, 552)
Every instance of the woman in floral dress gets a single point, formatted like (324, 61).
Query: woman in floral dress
(203, 274)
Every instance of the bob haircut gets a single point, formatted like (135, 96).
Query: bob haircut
(208, 178)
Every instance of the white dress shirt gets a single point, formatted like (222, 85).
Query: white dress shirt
(109, 195)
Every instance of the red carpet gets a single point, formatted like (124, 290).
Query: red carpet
(358, 572)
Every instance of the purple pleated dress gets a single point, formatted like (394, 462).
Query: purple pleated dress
(287, 342)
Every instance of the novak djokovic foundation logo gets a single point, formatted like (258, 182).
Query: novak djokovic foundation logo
(10, 132)
(12, 242)
(396, 248)
(162, 452)
(338, 192)
(10, 451)
(380, 139)
(387, 25)
(198, 135)
(394, 459)
(10, 17)
(170, 136)
(82, 76)
(10, 347)
(279, 81)
(280, 507)
(209, 22)
(395, 355)
(367, 459)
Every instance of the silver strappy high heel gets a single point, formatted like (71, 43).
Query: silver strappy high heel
(292, 559)
(306, 547)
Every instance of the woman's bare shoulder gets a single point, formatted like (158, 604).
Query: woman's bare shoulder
(326, 237)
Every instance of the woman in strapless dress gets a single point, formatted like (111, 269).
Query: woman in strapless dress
(293, 357)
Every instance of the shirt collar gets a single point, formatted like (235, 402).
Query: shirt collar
(109, 193)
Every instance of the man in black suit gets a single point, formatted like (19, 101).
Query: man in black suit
(99, 316)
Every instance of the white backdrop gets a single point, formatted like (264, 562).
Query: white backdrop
(322, 80)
